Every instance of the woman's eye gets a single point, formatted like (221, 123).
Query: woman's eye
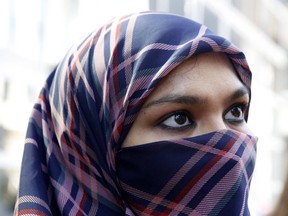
(236, 114)
(177, 120)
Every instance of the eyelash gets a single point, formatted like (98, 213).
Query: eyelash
(243, 107)
(180, 112)
(192, 124)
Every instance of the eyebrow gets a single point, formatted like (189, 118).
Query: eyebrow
(240, 92)
(194, 100)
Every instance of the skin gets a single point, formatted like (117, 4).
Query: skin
(203, 94)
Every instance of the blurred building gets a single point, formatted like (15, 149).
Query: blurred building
(35, 34)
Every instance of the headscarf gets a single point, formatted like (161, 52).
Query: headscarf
(89, 103)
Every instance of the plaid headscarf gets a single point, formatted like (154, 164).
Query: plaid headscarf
(89, 103)
(208, 174)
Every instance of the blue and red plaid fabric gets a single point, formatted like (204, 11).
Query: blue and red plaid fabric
(208, 174)
(90, 101)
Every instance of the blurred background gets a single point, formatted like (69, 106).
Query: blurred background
(35, 34)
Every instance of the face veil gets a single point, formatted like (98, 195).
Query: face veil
(208, 174)
(89, 103)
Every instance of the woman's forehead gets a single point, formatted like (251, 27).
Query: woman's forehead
(205, 74)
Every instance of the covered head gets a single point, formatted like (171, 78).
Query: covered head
(88, 105)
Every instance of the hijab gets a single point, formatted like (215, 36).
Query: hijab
(89, 102)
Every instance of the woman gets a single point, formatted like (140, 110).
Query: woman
(146, 116)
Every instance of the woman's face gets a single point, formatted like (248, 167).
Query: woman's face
(201, 95)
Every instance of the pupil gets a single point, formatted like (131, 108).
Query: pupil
(236, 112)
(180, 119)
